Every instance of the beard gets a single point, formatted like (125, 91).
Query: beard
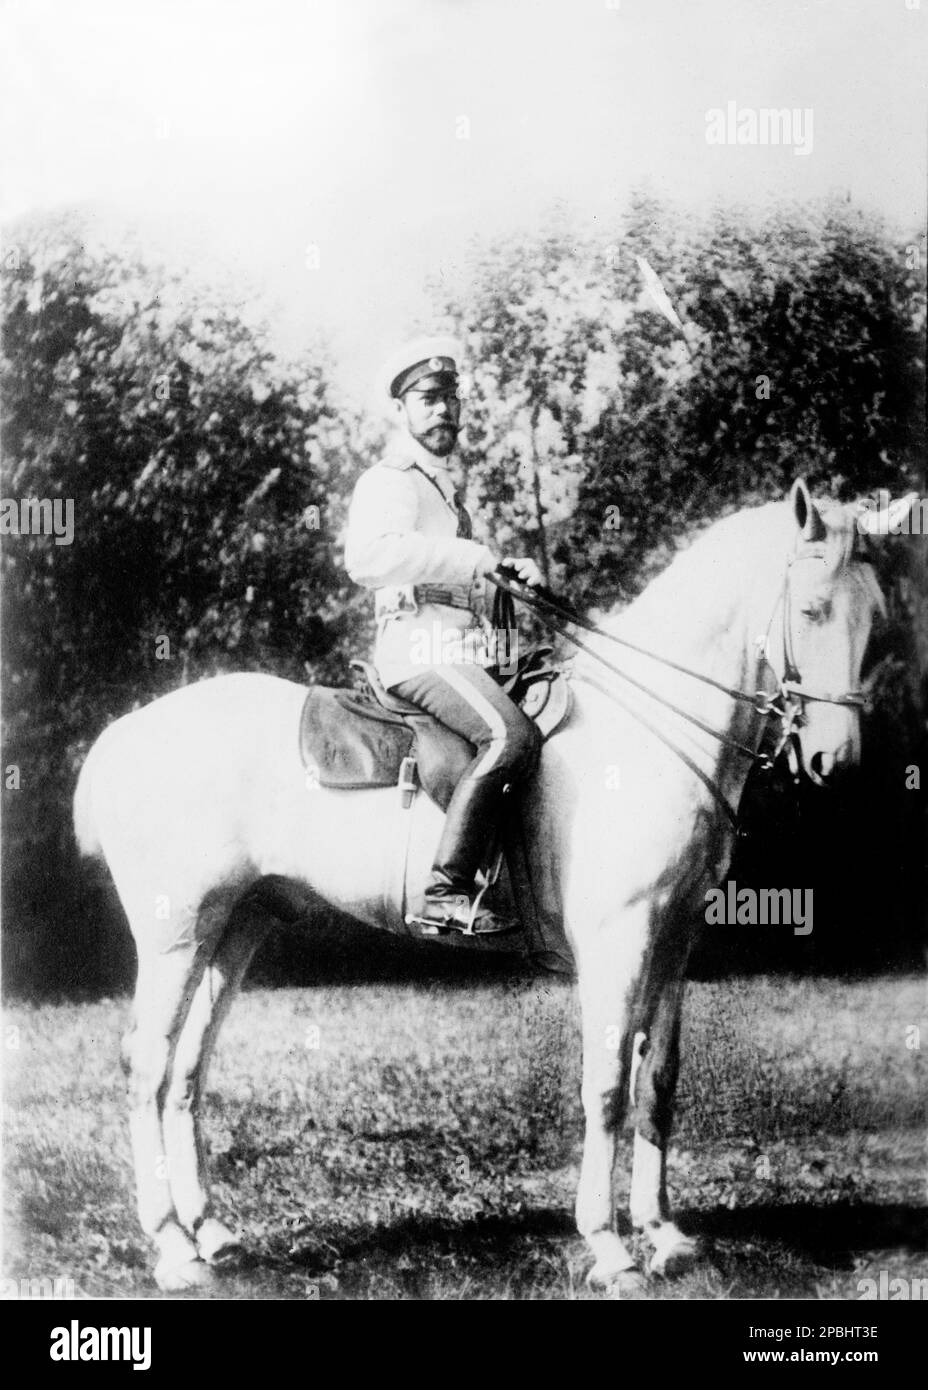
(439, 440)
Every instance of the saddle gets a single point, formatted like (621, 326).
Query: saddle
(362, 738)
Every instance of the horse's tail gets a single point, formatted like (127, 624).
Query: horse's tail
(85, 826)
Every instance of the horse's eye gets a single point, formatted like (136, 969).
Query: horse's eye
(815, 612)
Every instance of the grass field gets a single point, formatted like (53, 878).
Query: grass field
(422, 1141)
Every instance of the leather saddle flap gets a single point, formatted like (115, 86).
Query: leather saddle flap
(349, 742)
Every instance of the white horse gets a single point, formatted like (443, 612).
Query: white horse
(201, 809)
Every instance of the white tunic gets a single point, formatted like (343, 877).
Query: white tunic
(402, 531)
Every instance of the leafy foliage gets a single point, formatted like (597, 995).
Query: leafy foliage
(208, 489)
(597, 442)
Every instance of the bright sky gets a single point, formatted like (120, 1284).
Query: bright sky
(238, 135)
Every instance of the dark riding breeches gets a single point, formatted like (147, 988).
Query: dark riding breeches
(467, 699)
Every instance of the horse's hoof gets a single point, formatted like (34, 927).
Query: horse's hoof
(176, 1278)
(676, 1259)
(217, 1245)
(617, 1284)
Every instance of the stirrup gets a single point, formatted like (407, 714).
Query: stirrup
(457, 912)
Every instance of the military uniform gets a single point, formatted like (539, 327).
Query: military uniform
(405, 531)
(409, 540)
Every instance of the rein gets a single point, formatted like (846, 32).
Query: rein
(785, 703)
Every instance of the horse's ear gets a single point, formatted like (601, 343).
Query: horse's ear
(808, 517)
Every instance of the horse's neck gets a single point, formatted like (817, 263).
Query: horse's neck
(707, 613)
(709, 609)
(695, 626)
(691, 630)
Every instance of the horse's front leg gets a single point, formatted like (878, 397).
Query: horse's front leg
(653, 1094)
(605, 985)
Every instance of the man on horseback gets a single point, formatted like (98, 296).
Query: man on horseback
(409, 539)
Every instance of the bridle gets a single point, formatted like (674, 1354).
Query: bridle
(785, 703)
(791, 693)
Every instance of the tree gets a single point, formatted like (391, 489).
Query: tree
(533, 318)
(207, 485)
(596, 442)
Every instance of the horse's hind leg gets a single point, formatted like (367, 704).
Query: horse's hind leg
(653, 1094)
(167, 982)
(182, 1114)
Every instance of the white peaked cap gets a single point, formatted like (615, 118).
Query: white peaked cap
(438, 349)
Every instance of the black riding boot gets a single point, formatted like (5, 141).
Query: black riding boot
(470, 826)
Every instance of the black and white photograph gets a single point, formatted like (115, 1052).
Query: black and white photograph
(464, 534)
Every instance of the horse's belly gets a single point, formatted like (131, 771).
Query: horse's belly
(357, 850)
(370, 857)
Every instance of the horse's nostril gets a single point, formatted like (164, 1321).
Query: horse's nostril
(822, 766)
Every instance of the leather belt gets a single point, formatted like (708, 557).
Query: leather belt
(450, 596)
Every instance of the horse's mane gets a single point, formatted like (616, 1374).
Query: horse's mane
(712, 572)
(734, 561)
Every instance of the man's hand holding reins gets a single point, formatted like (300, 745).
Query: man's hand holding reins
(523, 569)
